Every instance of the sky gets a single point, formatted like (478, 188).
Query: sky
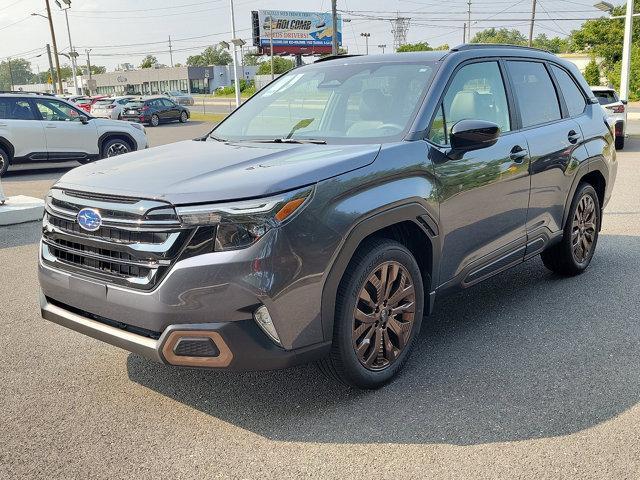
(119, 31)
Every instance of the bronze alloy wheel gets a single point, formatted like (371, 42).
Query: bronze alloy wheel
(583, 229)
(384, 316)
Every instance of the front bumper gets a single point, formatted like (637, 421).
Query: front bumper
(238, 345)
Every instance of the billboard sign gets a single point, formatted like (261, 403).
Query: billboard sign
(295, 32)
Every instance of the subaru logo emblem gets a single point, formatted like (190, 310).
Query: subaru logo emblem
(89, 219)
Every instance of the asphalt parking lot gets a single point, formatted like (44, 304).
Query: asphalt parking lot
(526, 375)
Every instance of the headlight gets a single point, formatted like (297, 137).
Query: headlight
(240, 224)
(139, 126)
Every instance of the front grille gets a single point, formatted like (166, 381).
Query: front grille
(135, 246)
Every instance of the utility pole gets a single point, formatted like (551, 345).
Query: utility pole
(51, 74)
(170, 51)
(366, 39)
(88, 50)
(334, 25)
(626, 51)
(533, 20)
(235, 56)
(55, 46)
(469, 21)
(72, 53)
(464, 33)
(10, 74)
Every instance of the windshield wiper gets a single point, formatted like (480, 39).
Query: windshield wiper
(298, 140)
(215, 137)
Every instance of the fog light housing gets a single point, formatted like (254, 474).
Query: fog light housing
(263, 319)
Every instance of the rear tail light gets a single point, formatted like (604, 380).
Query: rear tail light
(144, 109)
(617, 109)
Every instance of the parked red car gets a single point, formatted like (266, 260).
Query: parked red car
(85, 103)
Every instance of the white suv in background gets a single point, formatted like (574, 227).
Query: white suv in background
(110, 107)
(616, 111)
(36, 127)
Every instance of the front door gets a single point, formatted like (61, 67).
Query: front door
(67, 137)
(483, 193)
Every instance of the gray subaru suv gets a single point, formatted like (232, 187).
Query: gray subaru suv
(322, 219)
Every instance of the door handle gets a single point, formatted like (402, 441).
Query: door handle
(573, 137)
(51, 126)
(518, 154)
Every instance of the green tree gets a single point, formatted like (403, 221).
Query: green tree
(280, 65)
(251, 59)
(149, 61)
(634, 80)
(20, 71)
(553, 45)
(415, 47)
(500, 35)
(210, 56)
(592, 73)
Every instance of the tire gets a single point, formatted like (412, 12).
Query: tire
(154, 121)
(619, 143)
(379, 325)
(583, 224)
(4, 161)
(184, 116)
(115, 147)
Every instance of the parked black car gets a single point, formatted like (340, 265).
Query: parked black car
(154, 110)
(323, 218)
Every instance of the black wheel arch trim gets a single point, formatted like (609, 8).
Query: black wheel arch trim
(594, 164)
(106, 136)
(8, 147)
(375, 221)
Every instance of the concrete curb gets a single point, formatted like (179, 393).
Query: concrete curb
(21, 209)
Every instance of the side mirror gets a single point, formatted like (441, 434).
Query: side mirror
(624, 102)
(84, 119)
(467, 135)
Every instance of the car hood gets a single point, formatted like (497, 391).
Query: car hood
(198, 171)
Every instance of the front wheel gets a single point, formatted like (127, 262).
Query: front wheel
(620, 143)
(379, 307)
(115, 147)
(573, 254)
(4, 162)
(184, 117)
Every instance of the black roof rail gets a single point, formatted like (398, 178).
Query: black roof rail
(19, 92)
(473, 46)
(335, 57)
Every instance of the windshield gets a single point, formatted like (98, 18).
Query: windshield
(362, 102)
(175, 93)
(107, 101)
(605, 97)
(134, 104)
(83, 101)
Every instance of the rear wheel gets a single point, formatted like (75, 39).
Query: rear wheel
(619, 143)
(155, 120)
(4, 162)
(379, 308)
(184, 117)
(573, 254)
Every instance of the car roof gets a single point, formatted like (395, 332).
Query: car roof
(600, 88)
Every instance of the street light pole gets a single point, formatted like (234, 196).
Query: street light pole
(626, 52)
(366, 39)
(74, 70)
(235, 56)
(382, 46)
(334, 25)
(55, 46)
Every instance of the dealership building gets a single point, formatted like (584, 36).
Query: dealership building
(149, 81)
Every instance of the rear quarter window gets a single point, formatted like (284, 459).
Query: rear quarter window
(535, 93)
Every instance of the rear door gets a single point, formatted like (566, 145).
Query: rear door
(483, 193)
(67, 137)
(21, 126)
(555, 142)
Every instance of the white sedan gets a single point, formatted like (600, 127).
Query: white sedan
(110, 107)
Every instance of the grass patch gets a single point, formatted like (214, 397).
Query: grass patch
(208, 117)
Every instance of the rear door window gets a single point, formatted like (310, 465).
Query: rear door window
(534, 92)
(573, 96)
(15, 109)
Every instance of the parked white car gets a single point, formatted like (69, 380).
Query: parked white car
(110, 107)
(36, 127)
(616, 110)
